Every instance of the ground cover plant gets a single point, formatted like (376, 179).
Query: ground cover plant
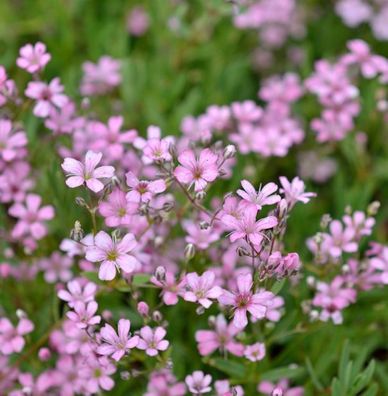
(193, 197)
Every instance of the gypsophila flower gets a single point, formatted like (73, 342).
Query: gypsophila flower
(152, 340)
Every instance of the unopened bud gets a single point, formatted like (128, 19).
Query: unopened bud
(200, 310)
(204, 225)
(157, 316)
(314, 315)
(125, 375)
(44, 354)
(172, 150)
(115, 181)
(158, 241)
(21, 314)
(143, 309)
(325, 221)
(168, 206)
(211, 321)
(234, 391)
(81, 202)
(318, 238)
(200, 195)
(189, 251)
(345, 269)
(282, 208)
(160, 274)
(348, 210)
(85, 104)
(229, 151)
(373, 208)
(241, 251)
(310, 281)
(116, 234)
(169, 364)
(27, 390)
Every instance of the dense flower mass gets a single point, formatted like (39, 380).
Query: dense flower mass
(183, 245)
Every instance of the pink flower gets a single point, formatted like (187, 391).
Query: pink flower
(14, 182)
(101, 77)
(199, 383)
(282, 388)
(294, 191)
(255, 352)
(222, 338)
(47, 96)
(151, 340)
(155, 148)
(77, 293)
(10, 143)
(265, 195)
(201, 289)
(31, 217)
(246, 112)
(171, 288)
(63, 120)
(33, 58)
(244, 300)
(198, 171)
(339, 240)
(117, 344)
(117, 210)
(361, 55)
(200, 238)
(138, 21)
(380, 263)
(360, 224)
(143, 190)
(113, 255)
(57, 268)
(247, 227)
(223, 388)
(79, 173)
(110, 139)
(11, 338)
(164, 383)
(84, 314)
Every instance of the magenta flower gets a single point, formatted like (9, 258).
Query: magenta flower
(152, 340)
(294, 191)
(117, 210)
(265, 195)
(143, 190)
(222, 338)
(243, 300)
(197, 171)
(33, 58)
(117, 344)
(255, 352)
(171, 288)
(79, 173)
(11, 338)
(47, 96)
(247, 227)
(113, 255)
(201, 289)
(76, 292)
(199, 383)
(10, 143)
(31, 217)
(84, 314)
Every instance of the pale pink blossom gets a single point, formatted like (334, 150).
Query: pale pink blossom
(223, 388)
(244, 300)
(79, 173)
(222, 338)
(201, 288)
(46, 96)
(200, 238)
(164, 383)
(171, 288)
(143, 190)
(199, 383)
(57, 268)
(10, 142)
(152, 340)
(264, 196)
(83, 315)
(113, 255)
(197, 171)
(282, 388)
(138, 21)
(11, 338)
(117, 344)
(295, 191)
(78, 292)
(33, 58)
(255, 352)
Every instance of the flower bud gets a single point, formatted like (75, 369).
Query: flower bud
(200, 195)
(229, 151)
(282, 208)
(373, 208)
(325, 221)
(125, 375)
(44, 354)
(189, 251)
(21, 314)
(160, 274)
(116, 234)
(242, 251)
(211, 321)
(277, 392)
(81, 202)
(143, 309)
(200, 310)
(204, 225)
(168, 206)
(77, 233)
(157, 316)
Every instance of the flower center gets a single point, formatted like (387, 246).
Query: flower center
(112, 255)
(243, 300)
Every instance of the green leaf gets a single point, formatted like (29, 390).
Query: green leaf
(283, 372)
(230, 367)
(313, 375)
(92, 276)
(278, 286)
(140, 279)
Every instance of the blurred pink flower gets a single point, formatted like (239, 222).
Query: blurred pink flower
(10, 142)
(265, 195)
(83, 315)
(201, 289)
(77, 292)
(199, 383)
(33, 58)
(255, 352)
(138, 21)
(11, 338)
(152, 340)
